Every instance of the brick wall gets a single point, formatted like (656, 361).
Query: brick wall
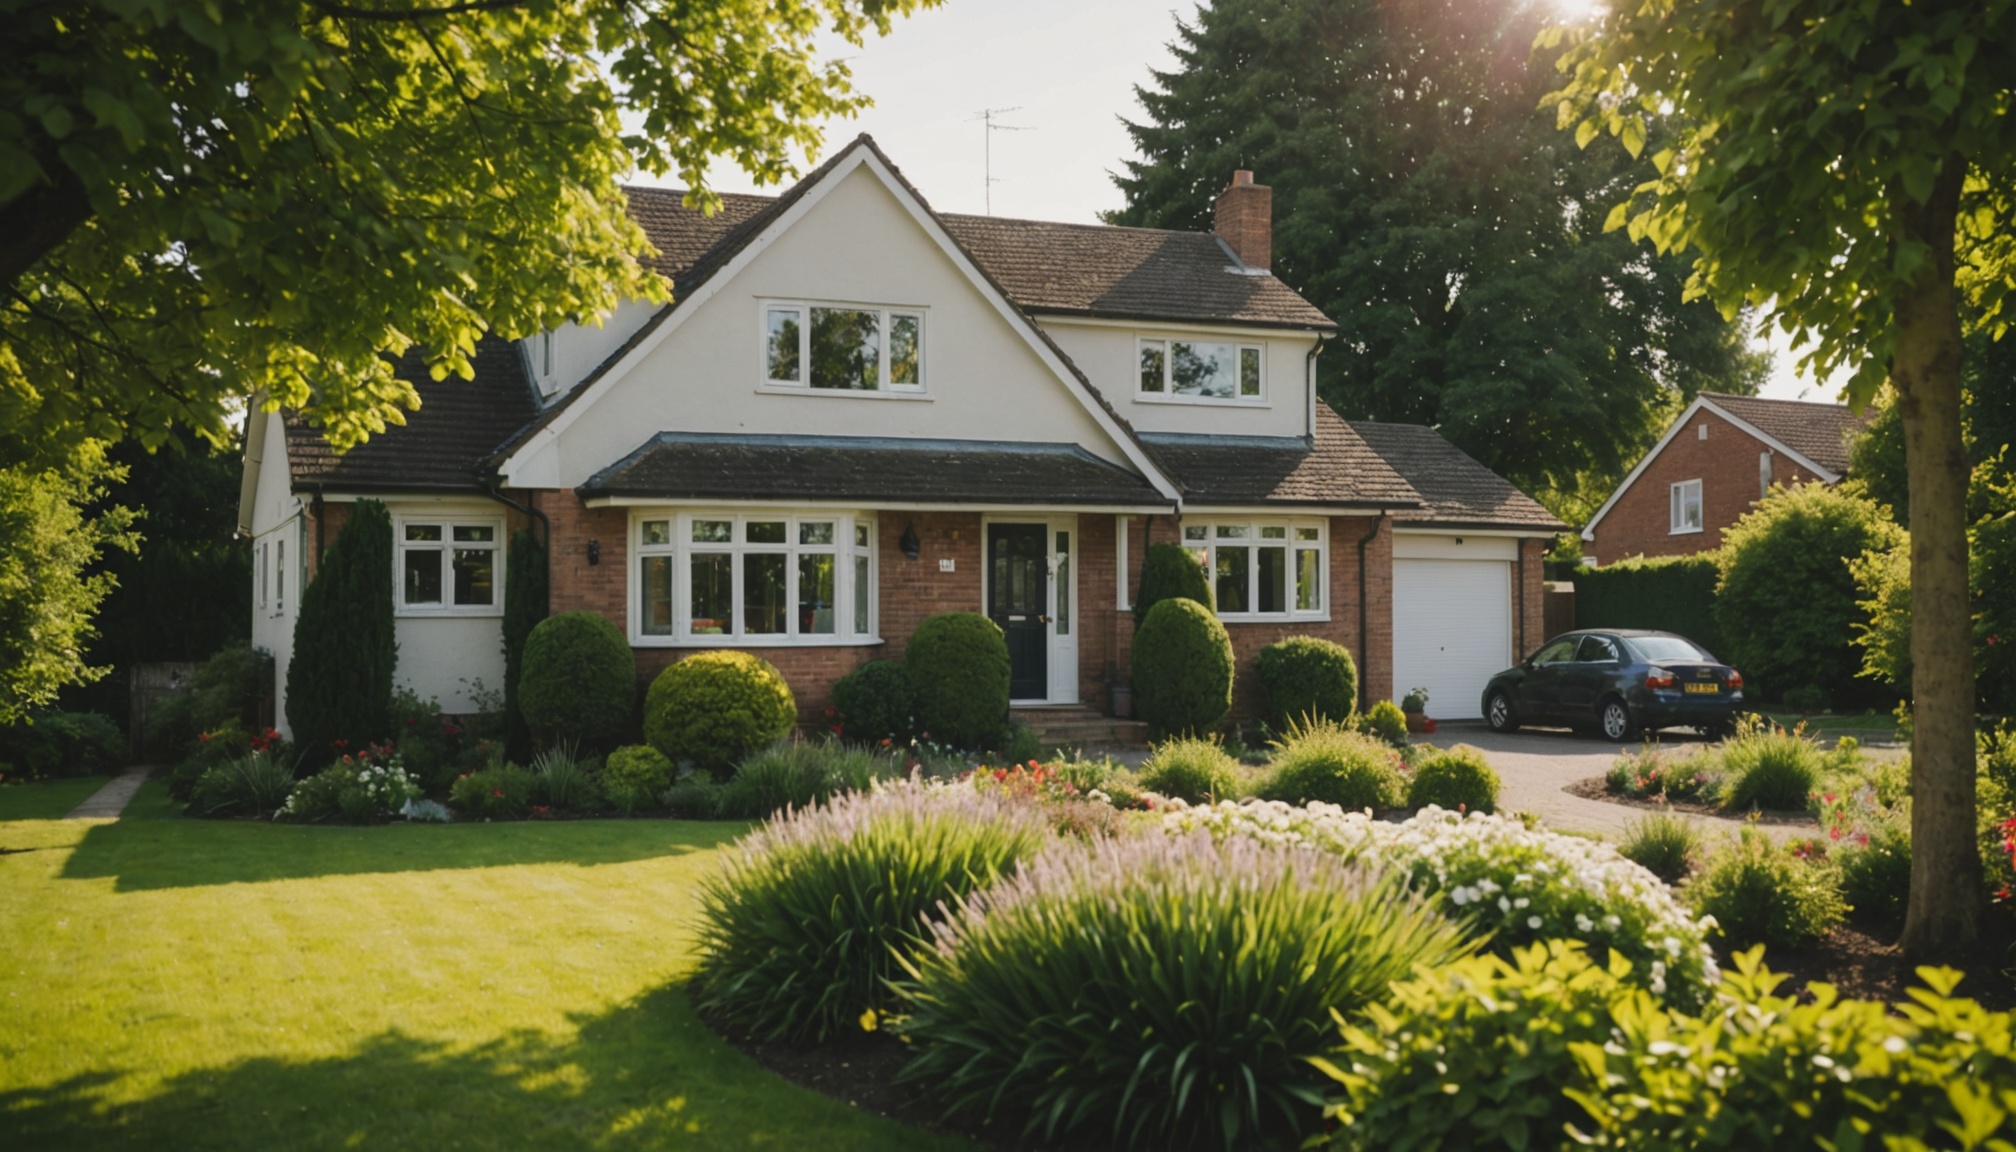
(1529, 623)
(1640, 523)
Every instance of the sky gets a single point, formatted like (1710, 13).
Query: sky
(1068, 69)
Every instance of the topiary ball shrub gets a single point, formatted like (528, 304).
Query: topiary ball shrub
(1459, 780)
(1385, 722)
(1170, 572)
(714, 708)
(1182, 670)
(957, 663)
(577, 679)
(1308, 679)
(798, 930)
(1329, 763)
(635, 777)
(876, 704)
(1759, 893)
(1195, 771)
(1151, 992)
(1770, 769)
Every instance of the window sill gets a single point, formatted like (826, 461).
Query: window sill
(485, 613)
(727, 641)
(1202, 401)
(1273, 618)
(844, 393)
(1685, 531)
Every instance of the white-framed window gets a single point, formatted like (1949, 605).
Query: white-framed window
(1200, 371)
(280, 576)
(264, 550)
(448, 566)
(1263, 569)
(843, 347)
(1764, 474)
(1686, 507)
(752, 578)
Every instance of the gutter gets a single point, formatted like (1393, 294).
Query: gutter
(1364, 627)
(496, 492)
(1309, 382)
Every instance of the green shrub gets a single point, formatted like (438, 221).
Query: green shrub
(1654, 772)
(1308, 679)
(1769, 768)
(1170, 572)
(1331, 764)
(635, 778)
(578, 681)
(1182, 670)
(1807, 699)
(526, 603)
(1385, 722)
(339, 680)
(566, 783)
(1786, 601)
(1159, 992)
(875, 704)
(1759, 893)
(799, 775)
(63, 744)
(225, 689)
(1666, 594)
(958, 668)
(713, 708)
(698, 797)
(1023, 745)
(1458, 779)
(354, 790)
(504, 793)
(1876, 874)
(1663, 844)
(252, 785)
(800, 929)
(1192, 770)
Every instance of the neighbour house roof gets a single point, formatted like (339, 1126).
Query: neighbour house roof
(1338, 468)
(1819, 432)
(1455, 489)
(460, 422)
(676, 465)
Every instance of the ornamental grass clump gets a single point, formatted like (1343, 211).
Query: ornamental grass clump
(1159, 992)
(1663, 844)
(800, 929)
(1758, 892)
(1511, 885)
(1769, 768)
(1326, 762)
(256, 784)
(1194, 770)
(794, 774)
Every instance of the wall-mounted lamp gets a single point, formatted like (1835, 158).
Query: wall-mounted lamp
(909, 543)
(594, 553)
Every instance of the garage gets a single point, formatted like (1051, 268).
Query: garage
(1452, 618)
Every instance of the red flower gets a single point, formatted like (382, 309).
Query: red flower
(339, 743)
(203, 737)
(497, 792)
(409, 721)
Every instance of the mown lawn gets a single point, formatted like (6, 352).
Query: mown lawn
(47, 799)
(184, 984)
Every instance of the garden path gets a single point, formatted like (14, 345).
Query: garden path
(108, 802)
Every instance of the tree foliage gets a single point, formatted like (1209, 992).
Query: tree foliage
(1426, 206)
(339, 680)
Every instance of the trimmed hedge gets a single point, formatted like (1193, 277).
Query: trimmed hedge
(578, 679)
(1668, 594)
(1308, 679)
(1170, 572)
(876, 703)
(715, 708)
(1182, 670)
(958, 668)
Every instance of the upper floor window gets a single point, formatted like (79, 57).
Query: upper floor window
(763, 578)
(448, 567)
(843, 348)
(1261, 569)
(1686, 507)
(1199, 370)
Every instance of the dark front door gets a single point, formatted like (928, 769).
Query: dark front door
(1018, 598)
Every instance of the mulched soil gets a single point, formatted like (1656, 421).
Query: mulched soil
(1594, 789)
(1861, 962)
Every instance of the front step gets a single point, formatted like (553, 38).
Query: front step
(1075, 726)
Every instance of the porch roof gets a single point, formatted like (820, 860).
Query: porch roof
(725, 466)
(1335, 468)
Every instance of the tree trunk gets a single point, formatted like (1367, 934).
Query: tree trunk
(1944, 920)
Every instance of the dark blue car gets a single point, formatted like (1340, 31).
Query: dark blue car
(1619, 681)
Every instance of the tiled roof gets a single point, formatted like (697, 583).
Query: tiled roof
(1339, 469)
(1819, 432)
(1454, 488)
(685, 236)
(460, 422)
(676, 465)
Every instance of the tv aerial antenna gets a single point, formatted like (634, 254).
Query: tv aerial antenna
(987, 117)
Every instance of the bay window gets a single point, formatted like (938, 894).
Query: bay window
(843, 348)
(1198, 370)
(764, 578)
(448, 566)
(1261, 569)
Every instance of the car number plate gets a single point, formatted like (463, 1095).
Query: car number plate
(1708, 689)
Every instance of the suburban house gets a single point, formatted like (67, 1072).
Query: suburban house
(1720, 457)
(860, 412)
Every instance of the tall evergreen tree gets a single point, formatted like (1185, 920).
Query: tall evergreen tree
(339, 680)
(1425, 202)
(525, 605)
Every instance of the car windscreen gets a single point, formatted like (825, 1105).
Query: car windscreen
(1653, 649)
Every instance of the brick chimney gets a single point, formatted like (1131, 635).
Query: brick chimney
(1245, 220)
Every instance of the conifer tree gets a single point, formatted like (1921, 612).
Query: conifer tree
(339, 680)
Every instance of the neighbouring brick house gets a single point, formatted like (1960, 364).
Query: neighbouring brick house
(1720, 457)
(860, 412)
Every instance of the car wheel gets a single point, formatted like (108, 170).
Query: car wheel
(1720, 730)
(1613, 718)
(1499, 715)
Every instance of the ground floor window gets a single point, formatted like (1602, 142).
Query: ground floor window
(757, 577)
(449, 566)
(1262, 569)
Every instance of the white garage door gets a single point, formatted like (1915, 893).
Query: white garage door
(1452, 631)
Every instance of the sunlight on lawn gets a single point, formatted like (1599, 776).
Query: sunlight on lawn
(225, 985)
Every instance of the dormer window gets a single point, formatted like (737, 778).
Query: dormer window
(843, 348)
(1198, 371)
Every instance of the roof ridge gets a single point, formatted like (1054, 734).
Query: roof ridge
(1772, 400)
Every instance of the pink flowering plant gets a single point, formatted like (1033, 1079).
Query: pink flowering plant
(1654, 772)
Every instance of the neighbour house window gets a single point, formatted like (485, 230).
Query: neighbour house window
(1261, 569)
(1199, 371)
(1686, 507)
(280, 576)
(767, 578)
(1764, 474)
(449, 567)
(843, 349)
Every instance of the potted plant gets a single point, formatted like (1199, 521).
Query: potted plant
(1414, 706)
